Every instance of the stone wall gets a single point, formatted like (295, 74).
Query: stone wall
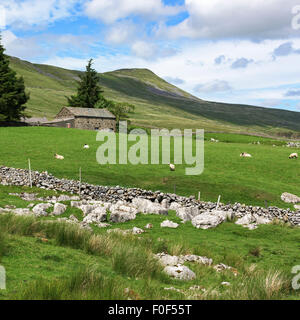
(20, 177)
(89, 123)
(64, 113)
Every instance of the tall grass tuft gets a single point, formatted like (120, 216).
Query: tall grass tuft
(87, 284)
(135, 262)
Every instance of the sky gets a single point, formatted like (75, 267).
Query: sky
(235, 51)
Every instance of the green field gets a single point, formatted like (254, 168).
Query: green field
(158, 103)
(253, 181)
(76, 264)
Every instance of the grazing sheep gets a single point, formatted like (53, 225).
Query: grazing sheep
(245, 155)
(86, 146)
(172, 167)
(59, 157)
(293, 156)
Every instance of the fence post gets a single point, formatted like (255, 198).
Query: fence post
(29, 167)
(219, 198)
(79, 180)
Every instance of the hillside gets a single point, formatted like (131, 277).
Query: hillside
(158, 103)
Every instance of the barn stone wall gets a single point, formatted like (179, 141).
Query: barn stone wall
(89, 123)
(64, 113)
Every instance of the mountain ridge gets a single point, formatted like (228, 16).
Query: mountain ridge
(158, 103)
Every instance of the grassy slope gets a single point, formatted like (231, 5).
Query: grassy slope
(159, 104)
(56, 269)
(249, 181)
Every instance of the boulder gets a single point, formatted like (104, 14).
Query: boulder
(168, 260)
(207, 221)
(59, 209)
(146, 206)
(169, 224)
(197, 259)
(245, 220)
(40, 209)
(122, 213)
(180, 272)
(187, 213)
(97, 215)
(175, 205)
(290, 198)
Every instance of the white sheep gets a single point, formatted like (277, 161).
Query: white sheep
(172, 167)
(245, 155)
(59, 157)
(86, 146)
(293, 156)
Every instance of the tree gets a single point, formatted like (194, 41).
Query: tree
(88, 91)
(12, 91)
(121, 110)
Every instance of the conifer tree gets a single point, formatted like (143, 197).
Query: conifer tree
(12, 91)
(88, 91)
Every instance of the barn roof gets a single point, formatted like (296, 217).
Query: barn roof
(91, 112)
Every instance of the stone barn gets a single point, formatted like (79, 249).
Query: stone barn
(84, 118)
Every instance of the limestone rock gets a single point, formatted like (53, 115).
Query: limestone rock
(207, 221)
(290, 198)
(169, 224)
(40, 209)
(59, 209)
(180, 272)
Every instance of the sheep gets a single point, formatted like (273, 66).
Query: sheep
(172, 167)
(59, 157)
(245, 155)
(293, 156)
(86, 146)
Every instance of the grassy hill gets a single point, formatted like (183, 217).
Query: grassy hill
(158, 103)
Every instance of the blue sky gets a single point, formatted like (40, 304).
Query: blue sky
(228, 51)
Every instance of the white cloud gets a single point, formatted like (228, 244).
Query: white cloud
(255, 19)
(110, 11)
(213, 86)
(35, 12)
(121, 32)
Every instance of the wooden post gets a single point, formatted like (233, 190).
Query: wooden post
(219, 198)
(79, 180)
(266, 204)
(29, 167)
(199, 196)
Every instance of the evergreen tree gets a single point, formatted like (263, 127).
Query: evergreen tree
(88, 91)
(12, 91)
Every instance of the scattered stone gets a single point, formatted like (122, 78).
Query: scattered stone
(224, 283)
(207, 221)
(59, 209)
(148, 226)
(180, 272)
(136, 230)
(169, 224)
(290, 198)
(40, 209)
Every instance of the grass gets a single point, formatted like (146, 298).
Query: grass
(49, 86)
(250, 181)
(51, 260)
(77, 264)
